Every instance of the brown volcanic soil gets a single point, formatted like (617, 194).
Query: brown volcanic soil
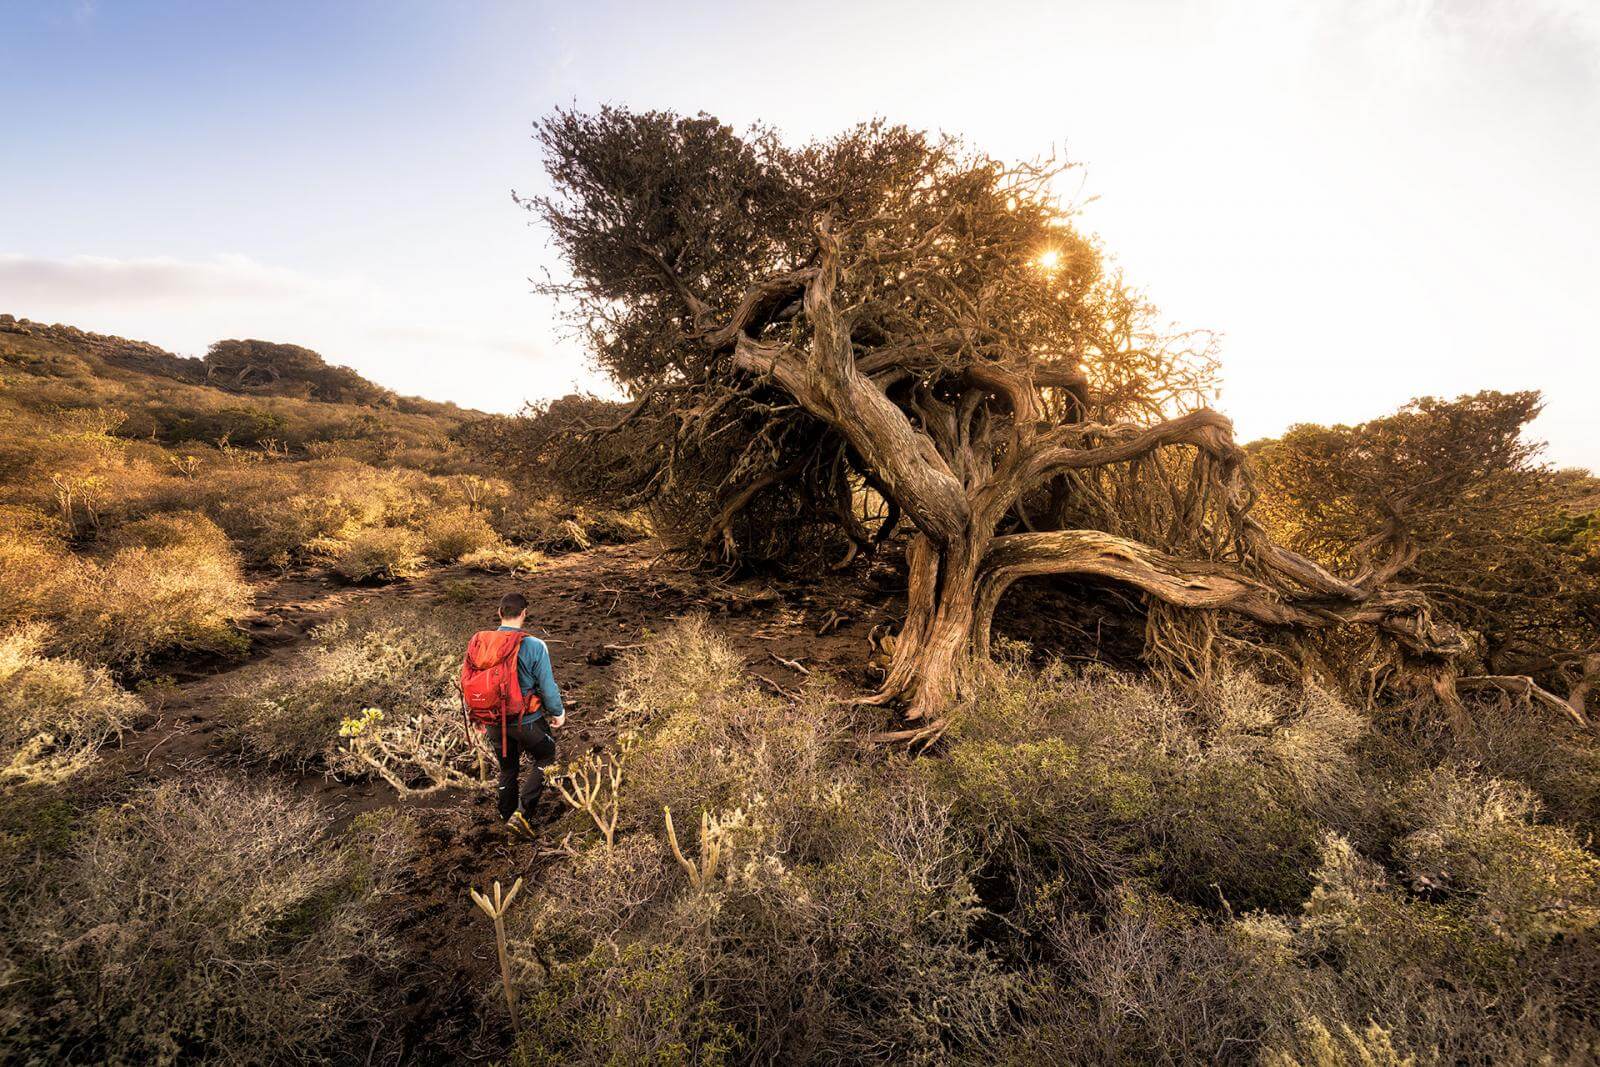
(588, 606)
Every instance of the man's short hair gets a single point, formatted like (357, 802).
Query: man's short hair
(512, 605)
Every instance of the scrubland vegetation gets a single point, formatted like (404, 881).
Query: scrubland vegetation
(1092, 866)
(139, 492)
(217, 916)
(318, 712)
(1302, 770)
(209, 920)
(1098, 870)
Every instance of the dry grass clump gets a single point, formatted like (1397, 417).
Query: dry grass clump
(1316, 1045)
(400, 663)
(603, 895)
(382, 553)
(1305, 736)
(55, 714)
(171, 582)
(712, 740)
(210, 921)
(552, 524)
(71, 465)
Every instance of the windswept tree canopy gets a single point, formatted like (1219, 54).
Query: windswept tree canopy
(890, 315)
(692, 247)
(288, 370)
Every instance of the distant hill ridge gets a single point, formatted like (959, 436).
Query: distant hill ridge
(245, 367)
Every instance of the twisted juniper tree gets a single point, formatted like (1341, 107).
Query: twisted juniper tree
(889, 313)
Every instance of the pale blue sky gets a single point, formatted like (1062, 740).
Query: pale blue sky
(1370, 199)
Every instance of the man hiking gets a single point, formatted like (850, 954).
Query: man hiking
(510, 693)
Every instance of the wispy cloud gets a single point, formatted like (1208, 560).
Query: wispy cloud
(93, 280)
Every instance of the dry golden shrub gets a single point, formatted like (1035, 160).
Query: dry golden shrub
(379, 553)
(553, 524)
(168, 583)
(505, 559)
(31, 554)
(277, 512)
(55, 714)
(449, 534)
(173, 582)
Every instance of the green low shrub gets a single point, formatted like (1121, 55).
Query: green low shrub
(1212, 832)
(1475, 840)
(634, 1004)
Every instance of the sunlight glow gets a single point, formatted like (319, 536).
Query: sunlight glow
(1049, 260)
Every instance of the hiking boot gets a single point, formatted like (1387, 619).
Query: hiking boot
(519, 825)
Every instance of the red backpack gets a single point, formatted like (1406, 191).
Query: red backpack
(490, 690)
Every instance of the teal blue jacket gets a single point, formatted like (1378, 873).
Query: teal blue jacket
(535, 676)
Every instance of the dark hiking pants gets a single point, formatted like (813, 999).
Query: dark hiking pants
(531, 736)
